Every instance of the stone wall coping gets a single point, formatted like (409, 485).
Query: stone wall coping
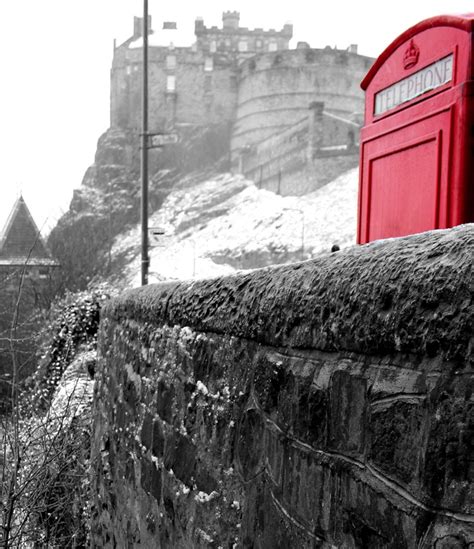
(389, 296)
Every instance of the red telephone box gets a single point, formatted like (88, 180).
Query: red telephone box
(417, 144)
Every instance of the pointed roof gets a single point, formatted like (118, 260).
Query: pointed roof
(21, 240)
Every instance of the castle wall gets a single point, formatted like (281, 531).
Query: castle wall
(304, 156)
(325, 404)
(276, 89)
(199, 96)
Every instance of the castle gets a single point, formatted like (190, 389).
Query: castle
(294, 113)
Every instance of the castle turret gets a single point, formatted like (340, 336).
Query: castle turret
(230, 20)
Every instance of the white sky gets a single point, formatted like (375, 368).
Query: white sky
(56, 56)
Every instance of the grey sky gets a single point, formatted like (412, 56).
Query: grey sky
(56, 57)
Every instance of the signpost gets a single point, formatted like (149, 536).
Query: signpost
(148, 141)
(155, 233)
(157, 140)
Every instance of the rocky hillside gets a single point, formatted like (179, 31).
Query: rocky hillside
(213, 223)
(108, 201)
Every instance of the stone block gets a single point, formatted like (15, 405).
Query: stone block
(347, 411)
(396, 439)
(250, 443)
(164, 401)
(150, 480)
(180, 456)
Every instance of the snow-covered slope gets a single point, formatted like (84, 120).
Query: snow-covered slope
(225, 223)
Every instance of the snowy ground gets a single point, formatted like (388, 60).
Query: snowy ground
(215, 225)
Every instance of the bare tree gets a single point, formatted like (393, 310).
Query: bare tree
(45, 436)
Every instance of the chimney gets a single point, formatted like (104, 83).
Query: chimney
(138, 26)
(353, 48)
(230, 20)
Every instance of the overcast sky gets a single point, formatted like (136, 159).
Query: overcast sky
(56, 57)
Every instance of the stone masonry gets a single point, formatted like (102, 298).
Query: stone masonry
(322, 404)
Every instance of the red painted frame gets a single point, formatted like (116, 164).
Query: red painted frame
(424, 188)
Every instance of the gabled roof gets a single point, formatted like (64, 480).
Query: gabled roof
(21, 240)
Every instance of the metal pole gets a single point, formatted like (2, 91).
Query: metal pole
(302, 235)
(144, 155)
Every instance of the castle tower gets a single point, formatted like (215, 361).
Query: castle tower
(230, 20)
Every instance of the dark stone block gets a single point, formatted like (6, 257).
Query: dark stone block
(180, 455)
(129, 469)
(347, 408)
(151, 479)
(158, 444)
(121, 415)
(364, 535)
(450, 450)
(204, 481)
(169, 508)
(164, 401)
(147, 431)
(129, 392)
(250, 443)
(310, 423)
(268, 380)
(395, 439)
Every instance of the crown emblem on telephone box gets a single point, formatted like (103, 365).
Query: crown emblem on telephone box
(410, 58)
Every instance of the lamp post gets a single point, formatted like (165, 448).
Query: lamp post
(144, 152)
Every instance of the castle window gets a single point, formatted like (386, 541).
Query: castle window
(171, 62)
(277, 60)
(43, 272)
(213, 46)
(208, 64)
(129, 69)
(272, 46)
(243, 46)
(171, 83)
(258, 43)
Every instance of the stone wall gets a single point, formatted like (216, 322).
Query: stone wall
(303, 157)
(200, 97)
(322, 404)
